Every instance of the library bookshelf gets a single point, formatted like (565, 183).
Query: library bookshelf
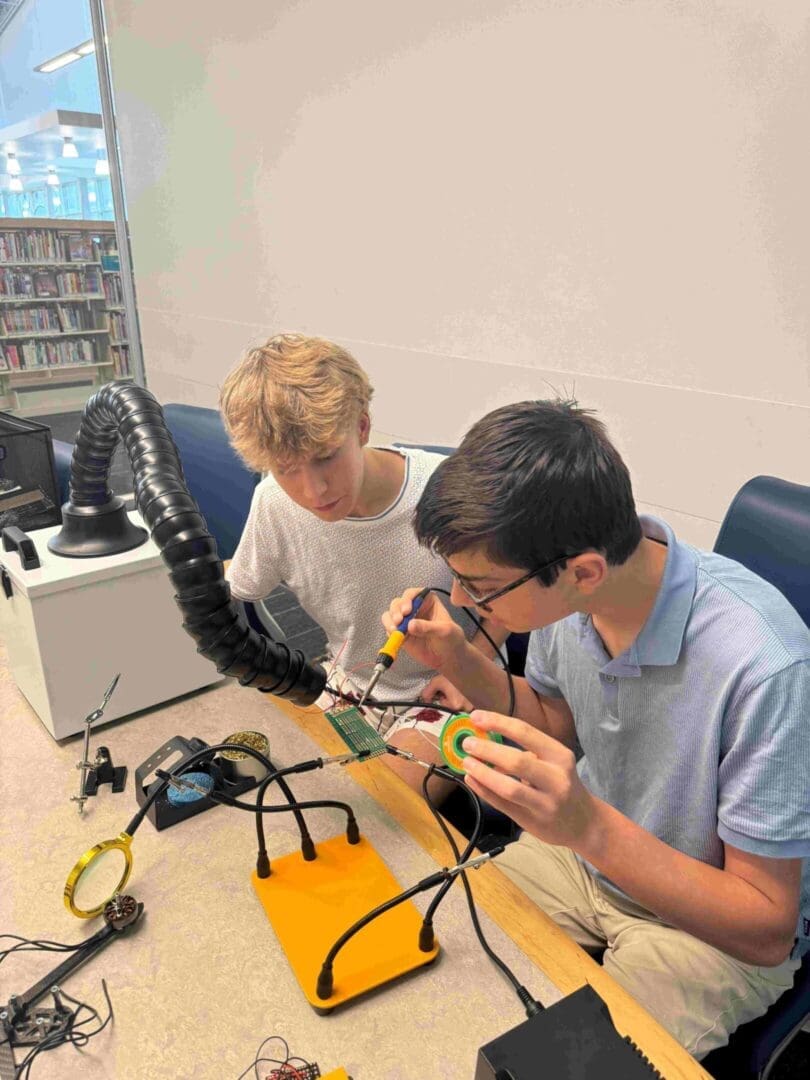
(63, 329)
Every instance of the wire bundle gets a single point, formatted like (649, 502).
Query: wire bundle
(72, 1033)
(304, 1070)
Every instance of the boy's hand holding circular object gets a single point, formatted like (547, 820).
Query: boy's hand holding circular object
(537, 786)
(433, 639)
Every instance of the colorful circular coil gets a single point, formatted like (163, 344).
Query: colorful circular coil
(453, 734)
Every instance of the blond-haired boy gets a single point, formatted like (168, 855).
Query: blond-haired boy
(332, 519)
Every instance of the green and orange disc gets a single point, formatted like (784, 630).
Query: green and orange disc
(453, 734)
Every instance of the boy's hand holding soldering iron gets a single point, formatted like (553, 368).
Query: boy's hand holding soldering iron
(431, 637)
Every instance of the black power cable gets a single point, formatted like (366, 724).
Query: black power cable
(352, 832)
(71, 1033)
(497, 649)
(257, 808)
(529, 1003)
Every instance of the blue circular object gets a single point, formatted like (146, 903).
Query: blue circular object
(178, 798)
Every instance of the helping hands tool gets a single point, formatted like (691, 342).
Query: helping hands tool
(116, 776)
(24, 1024)
(388, 653)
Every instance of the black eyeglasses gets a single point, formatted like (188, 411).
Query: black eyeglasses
(486, 600)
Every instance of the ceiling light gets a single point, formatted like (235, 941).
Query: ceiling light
(66, 57)
(12, 165)
(102, 165)
(52, 179)
(91, 195)
(56, 200)
(58, 62)
(69, 148)
(15, 184)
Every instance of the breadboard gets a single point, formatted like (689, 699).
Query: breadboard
(356, 732)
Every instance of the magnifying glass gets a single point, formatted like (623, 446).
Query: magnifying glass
(101, 873)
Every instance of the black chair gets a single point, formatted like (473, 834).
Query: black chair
(216, 476)
(767, 529)
(222, 486)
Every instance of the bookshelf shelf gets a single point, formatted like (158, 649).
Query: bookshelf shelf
(49, 362)
(26, 335)
(25, 372)
(46, 263)
(77, 297)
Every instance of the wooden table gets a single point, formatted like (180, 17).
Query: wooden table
(563, 961)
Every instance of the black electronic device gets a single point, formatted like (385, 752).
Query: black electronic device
(167, 810)
(574, 1038)
(29, 490)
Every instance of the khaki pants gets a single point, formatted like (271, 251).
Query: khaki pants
(695, 991)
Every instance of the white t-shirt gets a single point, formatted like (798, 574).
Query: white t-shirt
(345, 573)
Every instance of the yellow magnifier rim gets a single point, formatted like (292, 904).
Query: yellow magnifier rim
(122, 843)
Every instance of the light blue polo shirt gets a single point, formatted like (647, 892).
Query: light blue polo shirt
(700, 731)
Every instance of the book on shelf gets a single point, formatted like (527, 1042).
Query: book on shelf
(45, 283)
(16, 284)
(117, 325)
(29, 245)
(54, 352)
(12, 357)
(119, 354)
(38, 320)
(113, 293)
(81, 247)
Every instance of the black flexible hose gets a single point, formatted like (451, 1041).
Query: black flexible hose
(176, 525)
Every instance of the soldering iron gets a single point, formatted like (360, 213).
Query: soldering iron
(388, 653)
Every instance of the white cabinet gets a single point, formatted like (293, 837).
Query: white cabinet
(72, 624)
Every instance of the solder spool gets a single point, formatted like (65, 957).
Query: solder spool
(453, 734)
(236, 766)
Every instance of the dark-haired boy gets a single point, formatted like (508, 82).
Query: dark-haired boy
(678, 841)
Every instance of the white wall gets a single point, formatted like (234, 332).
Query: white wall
(483, 201)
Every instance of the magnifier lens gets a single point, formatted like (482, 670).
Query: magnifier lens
(99, 879)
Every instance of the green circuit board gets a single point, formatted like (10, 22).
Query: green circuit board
(356, 732)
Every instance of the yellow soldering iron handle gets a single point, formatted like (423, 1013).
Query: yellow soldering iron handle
(388, 653)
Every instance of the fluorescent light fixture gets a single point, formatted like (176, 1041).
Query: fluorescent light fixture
(69, 148)
(15, 184)
(67, 57)
(12, 165)
(52, 180)
(56, 200)
(91, 195)
(102, 165)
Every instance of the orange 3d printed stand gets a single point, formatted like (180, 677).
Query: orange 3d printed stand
(310, 904)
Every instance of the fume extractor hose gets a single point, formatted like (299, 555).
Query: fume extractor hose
(95, 523)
